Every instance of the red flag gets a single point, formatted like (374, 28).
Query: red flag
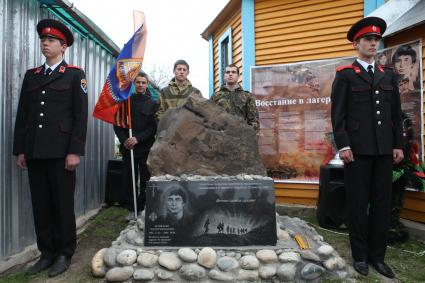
(110, 106)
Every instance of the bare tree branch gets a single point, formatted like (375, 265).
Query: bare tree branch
(159, 75)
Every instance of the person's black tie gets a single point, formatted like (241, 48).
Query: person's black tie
(370, 71)
(48, 72)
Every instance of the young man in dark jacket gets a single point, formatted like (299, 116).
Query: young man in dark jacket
(142, 109)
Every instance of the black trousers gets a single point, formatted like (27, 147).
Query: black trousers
(52, 194)
(397, 201)
(368, 187)
(140, 169)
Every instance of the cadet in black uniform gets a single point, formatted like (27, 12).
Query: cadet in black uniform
(142, 110)
(366, 120)
(50, 135)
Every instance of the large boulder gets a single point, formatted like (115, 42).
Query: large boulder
(200, 138)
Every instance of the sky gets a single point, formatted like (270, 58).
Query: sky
(174, 28)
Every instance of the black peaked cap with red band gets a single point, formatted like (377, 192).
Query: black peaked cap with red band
(367, 26)
(55, 29)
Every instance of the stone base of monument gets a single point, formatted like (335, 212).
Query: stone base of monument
(295, 252)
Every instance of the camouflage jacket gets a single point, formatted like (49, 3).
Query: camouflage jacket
(238, 102)
(173, 96)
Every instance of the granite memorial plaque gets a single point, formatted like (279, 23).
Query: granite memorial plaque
(210, 213)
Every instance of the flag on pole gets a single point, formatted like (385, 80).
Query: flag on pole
(111, 106)
(138, 19)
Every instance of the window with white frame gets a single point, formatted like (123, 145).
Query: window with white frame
(224, 52)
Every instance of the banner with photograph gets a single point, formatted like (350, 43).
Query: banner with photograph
(294, 104)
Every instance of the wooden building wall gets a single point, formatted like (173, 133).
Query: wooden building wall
(305, 194)
(236, 24)
(294, 31)
(289, 31)
(414, 206)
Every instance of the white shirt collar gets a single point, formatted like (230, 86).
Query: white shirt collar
(365, 64)
(52, 67)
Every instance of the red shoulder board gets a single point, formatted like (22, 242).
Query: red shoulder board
(74, 67)
(381, 69)
(344, 67)
(355, 68)
(36, 70)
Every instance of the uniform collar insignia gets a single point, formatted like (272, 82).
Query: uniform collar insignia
(62, 69)
(38, 70)
(357, 69)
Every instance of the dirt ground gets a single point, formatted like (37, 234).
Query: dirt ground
(407, 260)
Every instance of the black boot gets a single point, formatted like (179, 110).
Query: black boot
(60, 265)
(39, 266)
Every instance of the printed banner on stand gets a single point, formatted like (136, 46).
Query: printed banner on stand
(294, 104)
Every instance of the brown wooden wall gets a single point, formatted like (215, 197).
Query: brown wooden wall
(305, 194)
(414, 206)
(235, 23)
(294, 31)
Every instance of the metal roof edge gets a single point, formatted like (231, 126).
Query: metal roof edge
(394, 13)
(403, 29)
(220, 18)
(392, 10)
(412, 18)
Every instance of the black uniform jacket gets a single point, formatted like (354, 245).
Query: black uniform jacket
(143, 110)
(51, 120)
(366, 114)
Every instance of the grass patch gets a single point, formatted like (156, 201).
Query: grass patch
(15, 278)
(108, 223)
(99, 232)
(408, 263)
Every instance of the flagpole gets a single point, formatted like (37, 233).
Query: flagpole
(130, 132)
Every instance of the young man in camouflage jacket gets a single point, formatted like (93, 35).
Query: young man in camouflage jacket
(235, 100)
(178, 90)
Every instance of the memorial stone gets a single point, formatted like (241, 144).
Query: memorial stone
(210, 213)
(200, 138)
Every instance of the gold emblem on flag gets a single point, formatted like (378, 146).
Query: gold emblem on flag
(127, 71)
